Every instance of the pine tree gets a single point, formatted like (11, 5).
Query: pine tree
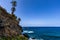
(13, 6)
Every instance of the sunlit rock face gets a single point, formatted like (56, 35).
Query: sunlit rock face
(9, 24)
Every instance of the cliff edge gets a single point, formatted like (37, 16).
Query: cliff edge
(9, 24)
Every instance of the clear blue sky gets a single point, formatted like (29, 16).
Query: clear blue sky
(36, 12)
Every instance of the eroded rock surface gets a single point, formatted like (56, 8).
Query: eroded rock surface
(9, 24)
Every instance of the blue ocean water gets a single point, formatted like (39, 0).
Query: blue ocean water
(46, 33)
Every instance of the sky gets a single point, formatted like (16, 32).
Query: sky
(35, 12)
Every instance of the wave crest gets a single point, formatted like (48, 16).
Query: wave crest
(28, 31)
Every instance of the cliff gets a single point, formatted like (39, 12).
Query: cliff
(9, 24)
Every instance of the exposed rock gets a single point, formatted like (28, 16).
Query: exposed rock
(9, 25)
(26, 35)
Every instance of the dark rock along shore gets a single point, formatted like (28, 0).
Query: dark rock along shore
(9, 24)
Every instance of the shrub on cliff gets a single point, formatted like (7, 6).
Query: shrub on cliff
(20, 37)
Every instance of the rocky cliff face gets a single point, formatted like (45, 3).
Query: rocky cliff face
(9, 24)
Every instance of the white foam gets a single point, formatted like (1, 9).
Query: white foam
(30, 39)
(28, 31)
(35, 39)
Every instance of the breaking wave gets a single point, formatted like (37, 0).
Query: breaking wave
(28, 31)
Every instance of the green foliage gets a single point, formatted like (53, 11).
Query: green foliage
(14, 38)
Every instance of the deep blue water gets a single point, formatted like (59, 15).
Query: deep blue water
(46, 33)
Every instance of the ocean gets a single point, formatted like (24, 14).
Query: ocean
(43, 33)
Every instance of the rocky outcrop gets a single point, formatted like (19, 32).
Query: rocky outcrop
(9, 24)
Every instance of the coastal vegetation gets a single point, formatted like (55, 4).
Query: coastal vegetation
(9, 25)
(20, 37)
